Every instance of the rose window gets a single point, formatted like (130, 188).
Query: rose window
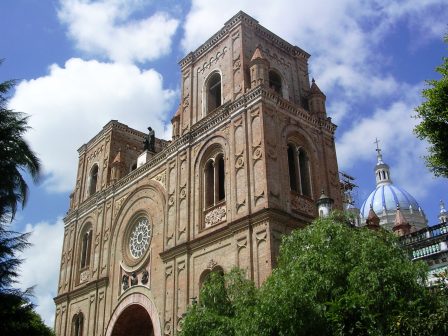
(140, 237)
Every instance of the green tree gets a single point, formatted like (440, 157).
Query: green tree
(226, 304)
(434, 125)
(16, 156)
(17, 315)
(333, 279)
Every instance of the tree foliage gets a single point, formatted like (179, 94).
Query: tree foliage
(16, 156)
(434, 125)
(17, 315)
(331, 279)
(226, 303)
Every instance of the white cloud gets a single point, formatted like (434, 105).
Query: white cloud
(41, 265)
(343, 36)
(72, 103)
(107, 28)
(401, 149)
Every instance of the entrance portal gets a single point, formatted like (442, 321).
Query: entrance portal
(133, 321)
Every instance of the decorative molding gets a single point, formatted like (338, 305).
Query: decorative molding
(241, 243)
(238, 206)
(215, 216)
(212, 264)
(302, 204)
(212, 60)
(261, 235)
(239, 162)
(259, 196)
(161, 178)
(168, 271)
(257, 153)
(118, 204)
(84, 276)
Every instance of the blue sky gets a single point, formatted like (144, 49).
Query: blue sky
(81, 63)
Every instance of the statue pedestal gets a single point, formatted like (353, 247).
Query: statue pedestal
(144, 157)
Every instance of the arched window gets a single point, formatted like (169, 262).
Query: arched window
(77, 324)
(213, 92)
(214, 181)
(292, 166)
(299, 170)
(209, 182)
(93, 179)
(275, 82)
(86, 249)
(305, 182)
(220, 193)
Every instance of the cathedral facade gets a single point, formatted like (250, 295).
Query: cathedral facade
(251, 152)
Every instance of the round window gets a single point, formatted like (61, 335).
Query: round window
(140, 237)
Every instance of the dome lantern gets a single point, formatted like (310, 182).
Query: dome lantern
(385, 198)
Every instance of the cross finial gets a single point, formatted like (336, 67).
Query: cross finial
(377, 144)
(378, 150)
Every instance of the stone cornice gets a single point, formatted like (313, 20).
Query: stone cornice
(231, 24)
(197, 131)
(81, 291)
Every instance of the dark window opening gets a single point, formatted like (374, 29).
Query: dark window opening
(78, 322)
(275, 82)
(304, 173)
(134, 166)
(209, 181)
(214, 92)
(93, 179)
(221, 176)
(85, 249)
(292, 168)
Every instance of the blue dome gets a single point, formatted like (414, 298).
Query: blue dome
(387, 197)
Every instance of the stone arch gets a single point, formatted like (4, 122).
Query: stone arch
(93, 179)
(84, 247)
(302, 141)
(148, 199)
(215, 148)
(212, 96)
(135, 300)
(206, 273)
(284, 90)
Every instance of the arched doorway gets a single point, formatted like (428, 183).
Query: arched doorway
(135, 315)
(133, 321)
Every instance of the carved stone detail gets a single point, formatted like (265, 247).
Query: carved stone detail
(212, 264)
(118, 204)
(84, 276)
(257, 153)
(161, 178)
(239, 162)
(302, 204)
(213, 60)
(215, 216)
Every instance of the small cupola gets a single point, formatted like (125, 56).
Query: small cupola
(401, 226)
(316, 100)
(259, 69)
(443, 214)
(324, 205)
(373, 221)
(382, 170)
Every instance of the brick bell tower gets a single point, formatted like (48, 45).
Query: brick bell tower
(252, 151)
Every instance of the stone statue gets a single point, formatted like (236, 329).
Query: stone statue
(125, 281)
(134, 280)
(150, 141)
(145, 277)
